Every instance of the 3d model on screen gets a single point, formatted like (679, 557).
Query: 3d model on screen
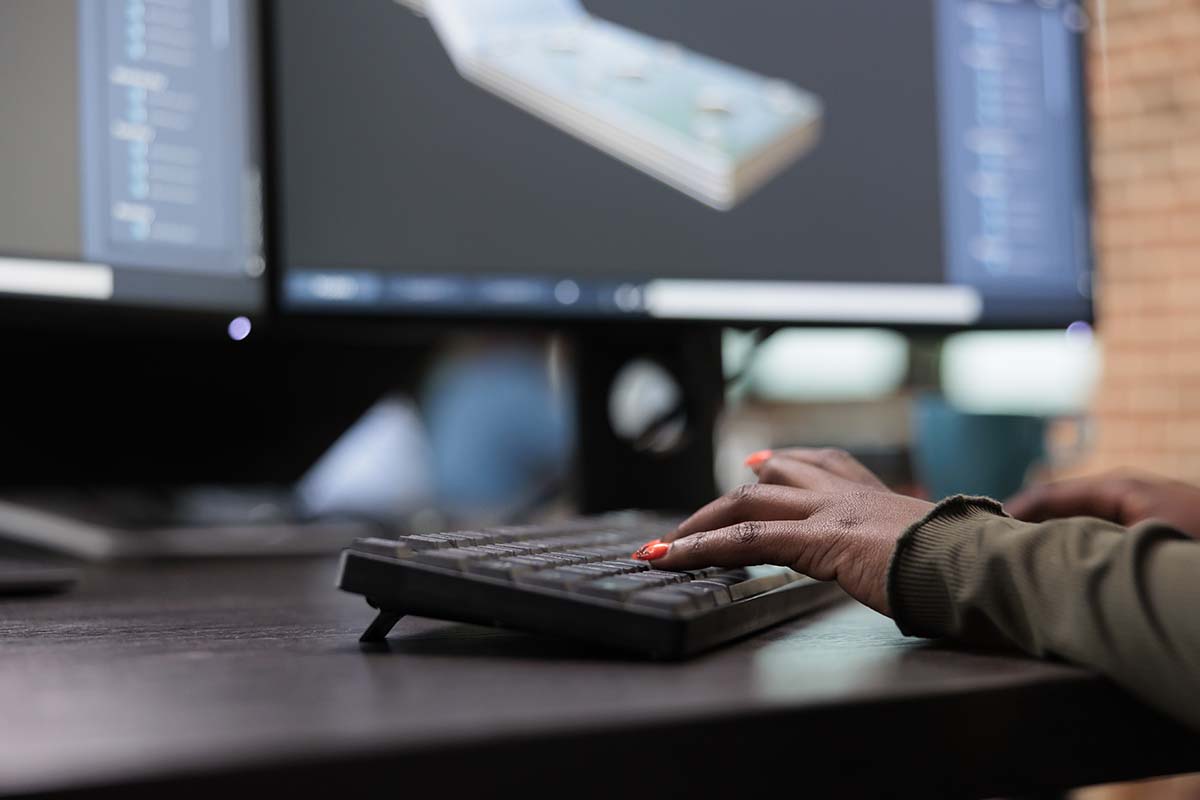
(709, 129)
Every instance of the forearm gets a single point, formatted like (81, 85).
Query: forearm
(1123, 602)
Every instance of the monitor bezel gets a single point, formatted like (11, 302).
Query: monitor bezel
(23, 314)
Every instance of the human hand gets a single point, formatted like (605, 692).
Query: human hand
(1123, 497)
(824, 524)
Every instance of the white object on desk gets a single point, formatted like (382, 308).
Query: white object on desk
(63, 532)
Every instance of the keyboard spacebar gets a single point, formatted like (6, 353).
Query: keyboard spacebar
(763, 583)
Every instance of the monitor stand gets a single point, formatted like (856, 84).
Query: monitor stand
(669, 466)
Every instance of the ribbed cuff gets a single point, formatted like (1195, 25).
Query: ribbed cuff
(920, 599)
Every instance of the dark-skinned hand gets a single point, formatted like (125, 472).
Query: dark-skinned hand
(820, 512)
(1123, 497)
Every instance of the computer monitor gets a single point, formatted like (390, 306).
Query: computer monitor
(130, 154)
(830, 161)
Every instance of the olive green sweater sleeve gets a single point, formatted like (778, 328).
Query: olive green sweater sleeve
(1124, 602)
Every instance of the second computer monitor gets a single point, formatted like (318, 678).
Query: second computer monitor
(839, 161)
(130, 155)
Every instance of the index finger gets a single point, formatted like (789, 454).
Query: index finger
(742, 545)
(754, 502)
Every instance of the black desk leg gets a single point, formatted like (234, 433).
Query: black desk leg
(381, 626)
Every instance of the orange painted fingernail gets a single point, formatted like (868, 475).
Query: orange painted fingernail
(649, 543)
(652, 550)
(645, 547)
(754, 459)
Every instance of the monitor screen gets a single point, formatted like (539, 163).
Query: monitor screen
(130, 153)
(828, 161)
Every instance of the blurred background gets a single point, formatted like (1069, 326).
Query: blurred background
(393, 231)
(210, 189)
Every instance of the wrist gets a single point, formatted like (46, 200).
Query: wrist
(919, 596)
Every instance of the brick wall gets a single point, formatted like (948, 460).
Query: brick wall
(1146, 166)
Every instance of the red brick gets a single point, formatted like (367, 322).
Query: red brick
(1146, 167)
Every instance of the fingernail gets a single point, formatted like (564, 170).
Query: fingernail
(645, 547)
(754, 459)
(652, 550)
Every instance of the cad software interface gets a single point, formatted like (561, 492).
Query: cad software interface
(829, 160)
(129, 153)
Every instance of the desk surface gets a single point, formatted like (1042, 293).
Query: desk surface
(249, 673)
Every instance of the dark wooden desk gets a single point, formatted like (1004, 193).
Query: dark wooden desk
(208, 677)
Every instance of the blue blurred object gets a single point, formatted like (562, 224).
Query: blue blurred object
(380, 467)
(499, 428)
(979, 454)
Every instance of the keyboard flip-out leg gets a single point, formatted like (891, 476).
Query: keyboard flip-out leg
(381, 626)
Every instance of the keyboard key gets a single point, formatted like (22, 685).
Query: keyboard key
(493, 550)
(666, 577)
(618, 588)
(468, 538)
(383, 547)
(742, 574)
(756, 586)
(508, 568)
(421, 542)
(638, 566)
(562, 559)
(670, 598)
(705, 596)
(455, 559)
(458, 558)
(719, 591)
(582, 556)
(595, 568)
(608, 551)
(561, 578)
(651, 581)
(527, 548)
(619, 566)
(726, 580)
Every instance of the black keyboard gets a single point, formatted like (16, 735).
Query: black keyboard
(573, 579)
